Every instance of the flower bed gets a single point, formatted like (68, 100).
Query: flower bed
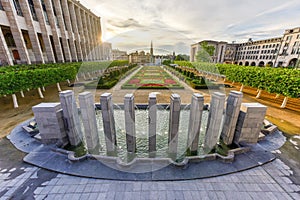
(152, 77)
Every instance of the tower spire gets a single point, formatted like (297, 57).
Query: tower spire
(151, 49)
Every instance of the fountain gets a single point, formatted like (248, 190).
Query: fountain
(148, 142)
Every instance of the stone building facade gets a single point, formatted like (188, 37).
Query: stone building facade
(224, 52)
(48, 31)
(279, 51)
(119, 55)
(139, 57)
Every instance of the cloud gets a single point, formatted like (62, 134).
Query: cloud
(170, 22)
(125, 24)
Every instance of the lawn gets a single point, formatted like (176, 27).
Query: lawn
(152, 77)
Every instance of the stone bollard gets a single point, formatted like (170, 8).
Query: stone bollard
(70, 112)
(130, 123)
(195, 123)
(107, 110)
(233, 106)
(50, 121)
(152, 122)
(214, 121)
(249, 122)
(174, 125)
(87, 107)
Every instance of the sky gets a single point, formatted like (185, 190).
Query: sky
(174, 25)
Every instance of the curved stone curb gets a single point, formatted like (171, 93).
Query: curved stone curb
(142, 161)
(195, 167)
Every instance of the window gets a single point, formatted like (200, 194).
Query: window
(55, 16)
(289, 38)
(9, 40)
(45, 12)
(33, 13)
(1, 7)
(18, 7)
(298, 36)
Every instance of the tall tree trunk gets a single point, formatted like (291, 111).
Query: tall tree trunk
(40, 93)
(58, 87)
(283, 105)
(259, 94)
(242, 88)
(22, 94)
(15, 100)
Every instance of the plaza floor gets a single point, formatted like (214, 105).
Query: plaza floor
(270, 181)
(19, 180)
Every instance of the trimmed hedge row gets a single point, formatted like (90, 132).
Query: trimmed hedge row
(21, 77)
(282, 81)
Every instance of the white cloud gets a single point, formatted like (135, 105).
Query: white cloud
(170, 22)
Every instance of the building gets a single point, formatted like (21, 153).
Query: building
(258, 53)
(139, 57)
(289, 49)
(279, 51)
(48, 31)
(224, 52)
(106, 50)
(142, 57)
(119, 55)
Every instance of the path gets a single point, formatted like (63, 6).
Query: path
(21, 181)
(141, 95)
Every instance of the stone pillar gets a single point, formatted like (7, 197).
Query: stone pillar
(152, 123)
(63, 27)
(195, 123)
(87, 107)
(32, 32)
(249, 122)
(108, 122)
(16, 31)
(86, 35)
(130, 123)
(81, 33)
(96, 39)
(90, 36)
(174, 125)
(40, 15)
(99, 35)
(66, 14)
(214, 121)
(50, 121)
(75, 30)
(52, 21)
(4, 51)
(233, 106)
(71, 116)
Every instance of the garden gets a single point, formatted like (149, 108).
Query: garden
(152, 77)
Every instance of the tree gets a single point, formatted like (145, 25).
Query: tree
(182, 57)
(205, 53)
(203, 56)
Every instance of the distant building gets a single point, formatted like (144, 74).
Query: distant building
(279, 51)
(224, 52)
(139, 57)
(258, 53)
(106, 51)
(43, 31)
(119, 55)
(289, 50)
(142, 57)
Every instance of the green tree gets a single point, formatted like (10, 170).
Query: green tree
(205, 53)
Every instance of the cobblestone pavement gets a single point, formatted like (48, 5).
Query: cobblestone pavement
(270, 181)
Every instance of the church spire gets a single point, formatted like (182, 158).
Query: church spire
(151, 49)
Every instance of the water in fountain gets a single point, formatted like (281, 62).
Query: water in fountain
(141, 119)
